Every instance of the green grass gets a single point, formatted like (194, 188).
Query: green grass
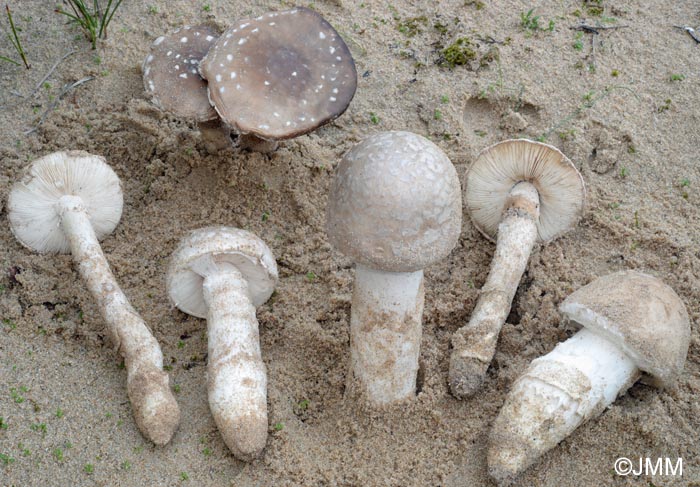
(93, 20)
(14, 40)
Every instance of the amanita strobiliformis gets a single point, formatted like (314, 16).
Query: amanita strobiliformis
(67, 202)
(631, 323)
(223, 274)
(518, 192)
(394, 208)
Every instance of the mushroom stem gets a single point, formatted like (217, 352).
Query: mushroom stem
(385, 333)
(254, 143)
(474, 345)
(155, 409)
(237, 382)
(215, 135)
(572, 384)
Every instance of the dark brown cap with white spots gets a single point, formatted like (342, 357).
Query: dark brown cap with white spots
(280, 75)
(171, 75)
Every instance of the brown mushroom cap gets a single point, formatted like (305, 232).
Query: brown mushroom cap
(280, 75)
(641, 315)
(395, 203)
(171, 75)
(500, 167)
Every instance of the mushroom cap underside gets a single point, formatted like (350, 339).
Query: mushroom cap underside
(199, 255)
(500, 167)
(280, 75)
(395, 203)
(171, 72)
(33, 202)
(643, 316)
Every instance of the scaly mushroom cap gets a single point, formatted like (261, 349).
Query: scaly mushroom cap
(395, 203)
(198, 256)
(171, 73)
(500, 167)
(640, 314)
(280, 75)
(32, 205)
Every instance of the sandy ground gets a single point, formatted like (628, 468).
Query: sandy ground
(614, 102)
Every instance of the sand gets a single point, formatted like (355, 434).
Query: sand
(601, 98)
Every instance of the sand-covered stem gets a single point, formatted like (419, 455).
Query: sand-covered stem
(155, 409)
(575, 382)
(237, 382)
(474, 345)
(385, 333)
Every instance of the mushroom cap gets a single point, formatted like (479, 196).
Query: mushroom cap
(33, 203)
(280, 75)
(395, 203)
(198, 256)
(640, 314)
(171, 73)
(501, 166)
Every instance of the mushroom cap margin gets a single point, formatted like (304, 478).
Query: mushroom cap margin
(201, 250)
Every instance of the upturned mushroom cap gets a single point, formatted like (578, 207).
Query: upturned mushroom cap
(280, 75)
(198, 256)
(33, 207)
(395, 203)
(643, 316)
(171, 73)
(500, 167)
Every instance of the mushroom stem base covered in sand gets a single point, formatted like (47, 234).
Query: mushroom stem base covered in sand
(254, 143)
(559, 391)
(215, 136)
(474, 345)
(155, 410)
(385, 333)
(237, 382)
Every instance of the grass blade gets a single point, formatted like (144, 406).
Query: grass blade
(7, 59)
(15, 38)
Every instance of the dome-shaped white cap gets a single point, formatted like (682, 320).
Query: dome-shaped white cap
(500, 167)
(33, 202)
(203, 250)
(395, 203)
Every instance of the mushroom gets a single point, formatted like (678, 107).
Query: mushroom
(67, 202)
(394, 208)
(279, 75)
(631, 323)
(223, 274)
(518, 192)
(172, 80)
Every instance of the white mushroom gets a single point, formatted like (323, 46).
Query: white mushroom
(632, 323)
(519, 192)
(223, 274)
(67, 202)
(395, 208)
